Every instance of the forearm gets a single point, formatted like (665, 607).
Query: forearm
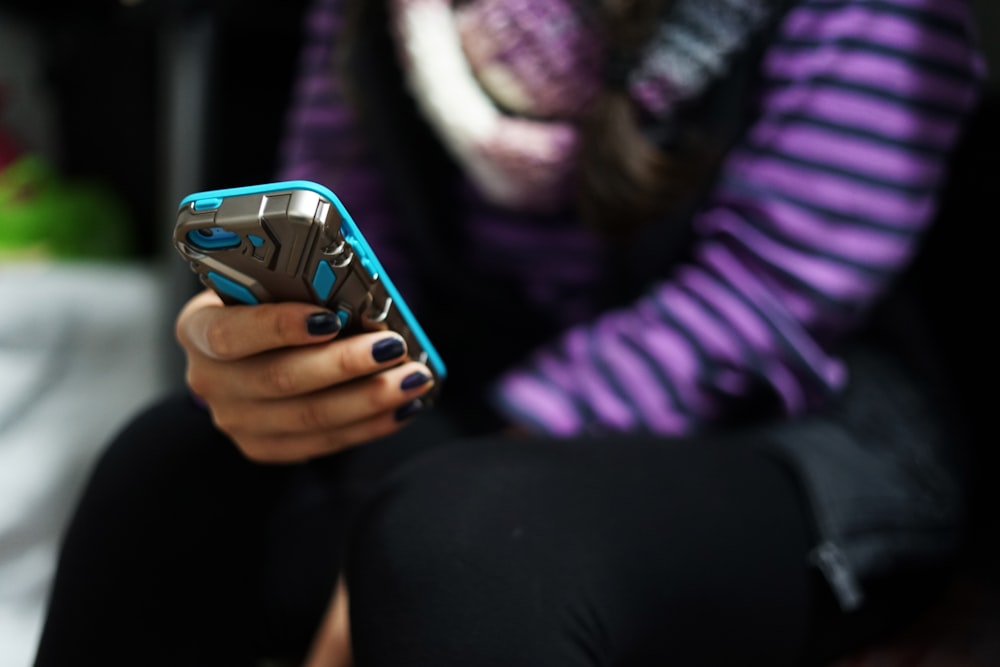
(816, 212)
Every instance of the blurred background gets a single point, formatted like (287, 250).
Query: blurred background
(111, 112)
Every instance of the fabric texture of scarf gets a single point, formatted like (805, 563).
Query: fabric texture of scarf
(504, 82)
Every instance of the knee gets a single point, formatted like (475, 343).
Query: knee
(464, 522)
(162, 466)
(171, 437)
(456, 506)
(450, 555)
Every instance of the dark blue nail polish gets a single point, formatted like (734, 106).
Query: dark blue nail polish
(323, 324)
(414, 380)
(388, 349)
(409, 410)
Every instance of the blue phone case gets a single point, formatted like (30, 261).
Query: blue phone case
(295, 241)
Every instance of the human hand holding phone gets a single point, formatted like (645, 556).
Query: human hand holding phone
(303, 346)
(285, 388)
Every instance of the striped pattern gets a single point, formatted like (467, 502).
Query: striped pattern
(323, 145)
(693, 48)
(815, 213)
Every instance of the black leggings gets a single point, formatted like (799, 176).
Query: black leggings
(487, 551)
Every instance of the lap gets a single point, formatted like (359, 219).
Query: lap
(605, 551)
(605, 546)
(591, 552)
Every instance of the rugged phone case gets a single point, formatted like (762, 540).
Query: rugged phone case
(295, 241)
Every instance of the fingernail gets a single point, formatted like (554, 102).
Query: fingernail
(388, 349)
(323, 324)
(414, 380)
(409, 410)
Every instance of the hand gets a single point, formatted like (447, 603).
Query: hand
(285, 394)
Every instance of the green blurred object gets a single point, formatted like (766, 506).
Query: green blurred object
(44, 216)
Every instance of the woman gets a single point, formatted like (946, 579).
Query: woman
(653, 241)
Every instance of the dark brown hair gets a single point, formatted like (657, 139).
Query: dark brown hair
(626, 180)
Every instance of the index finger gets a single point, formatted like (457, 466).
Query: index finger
(227, 333)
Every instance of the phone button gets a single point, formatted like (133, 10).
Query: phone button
(208, 204)
(369, 267)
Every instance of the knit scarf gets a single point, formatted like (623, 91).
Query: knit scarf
(505, 82)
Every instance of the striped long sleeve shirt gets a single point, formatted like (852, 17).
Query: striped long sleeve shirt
(815, 212)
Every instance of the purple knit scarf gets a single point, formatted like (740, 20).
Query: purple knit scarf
(503, 82)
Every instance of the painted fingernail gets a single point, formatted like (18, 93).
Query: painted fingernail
(388, 349)
(409, 410)
(414, 380)
(323, 324)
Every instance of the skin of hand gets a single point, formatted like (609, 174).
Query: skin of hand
(332, 643)
(285, 395)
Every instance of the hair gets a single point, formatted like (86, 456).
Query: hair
(626, 180)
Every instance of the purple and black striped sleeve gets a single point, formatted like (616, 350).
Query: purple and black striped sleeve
(816, 211)
(324, 143)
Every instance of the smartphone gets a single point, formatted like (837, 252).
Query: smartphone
(295, 241)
